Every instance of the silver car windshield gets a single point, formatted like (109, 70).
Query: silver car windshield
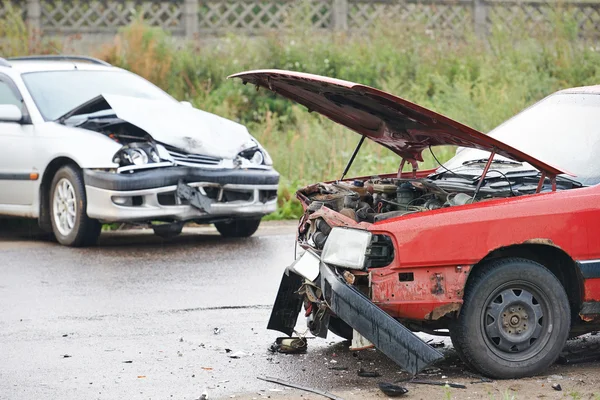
(57, 92)
(562, 130)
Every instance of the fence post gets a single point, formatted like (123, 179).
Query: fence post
(190, 18)
(480, 11)
(340, 15)
(34, 16)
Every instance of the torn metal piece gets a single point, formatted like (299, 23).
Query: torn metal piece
(300, 387)
(194, 196)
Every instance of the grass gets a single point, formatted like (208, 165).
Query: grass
(478, 83)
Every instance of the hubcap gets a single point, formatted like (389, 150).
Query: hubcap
(64, 207)
(515, 321)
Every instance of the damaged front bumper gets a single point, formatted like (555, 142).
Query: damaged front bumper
(164, 194)
(348, 304)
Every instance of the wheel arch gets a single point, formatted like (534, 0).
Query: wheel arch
(545, 252)
(44, 194)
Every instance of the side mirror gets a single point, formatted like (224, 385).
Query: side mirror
(186, 103)
(10, 113)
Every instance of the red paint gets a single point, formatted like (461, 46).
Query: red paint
(440, 240)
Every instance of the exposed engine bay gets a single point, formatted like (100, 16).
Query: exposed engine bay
(380, 198)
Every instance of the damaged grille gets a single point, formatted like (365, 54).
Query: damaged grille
(192, 160)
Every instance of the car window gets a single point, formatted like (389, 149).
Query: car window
(8, 96)
(57, 92)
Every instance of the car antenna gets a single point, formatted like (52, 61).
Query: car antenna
(358, 146)
(58, 53)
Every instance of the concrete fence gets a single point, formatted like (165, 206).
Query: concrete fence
(213, 18)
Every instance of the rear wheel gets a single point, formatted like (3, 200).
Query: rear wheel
(238, 227)
(514, 321)
(68, 203)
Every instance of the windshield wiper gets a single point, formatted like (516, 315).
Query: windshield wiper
(485, 160)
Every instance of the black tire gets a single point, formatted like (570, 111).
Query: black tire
(515, 319)
(238, 227)
(340, 328)
(84, 230)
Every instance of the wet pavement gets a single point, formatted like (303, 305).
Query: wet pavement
(140, 317)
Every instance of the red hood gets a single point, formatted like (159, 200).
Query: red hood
(401, 126)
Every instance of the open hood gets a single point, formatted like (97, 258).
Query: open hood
(401, 126)
(174, 124)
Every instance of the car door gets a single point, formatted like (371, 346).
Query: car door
(17, 172)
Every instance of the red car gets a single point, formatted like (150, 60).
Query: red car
(496, 248)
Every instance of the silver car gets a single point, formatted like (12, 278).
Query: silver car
(83, 142)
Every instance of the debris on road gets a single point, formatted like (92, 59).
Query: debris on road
(66, 356)
(391, 390)
(238, 354)
(289, 345)
(141, 376)
(368, 374)
(557, 387)
(127, 362)
(299, 387)
(217, 331)
(438, 383)
(207, 368)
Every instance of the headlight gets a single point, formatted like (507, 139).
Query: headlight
(346, 248)
(138, 157)
(255, 155)
(136, 154)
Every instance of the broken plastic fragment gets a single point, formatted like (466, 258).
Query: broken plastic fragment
(392, 390)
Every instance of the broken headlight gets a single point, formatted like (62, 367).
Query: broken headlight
(136, 154)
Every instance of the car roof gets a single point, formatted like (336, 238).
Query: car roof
(26, 66)
(593, 89)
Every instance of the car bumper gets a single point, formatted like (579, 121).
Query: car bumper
(152, 195)
(348, 304)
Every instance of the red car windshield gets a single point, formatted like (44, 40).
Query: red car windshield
(562, 130)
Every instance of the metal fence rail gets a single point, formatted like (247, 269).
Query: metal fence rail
(209, 18)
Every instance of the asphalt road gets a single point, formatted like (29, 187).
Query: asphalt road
(139, 317)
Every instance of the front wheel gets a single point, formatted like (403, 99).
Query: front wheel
(68, 203)
(514, 321)
(238, 227)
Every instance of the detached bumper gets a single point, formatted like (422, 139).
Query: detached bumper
(151, 195)
(347, 303)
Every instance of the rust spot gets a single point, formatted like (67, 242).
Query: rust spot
(438, 287)
(540, 241)
(441, 311)
(349, 278)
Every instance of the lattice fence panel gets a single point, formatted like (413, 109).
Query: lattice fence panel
(220, 16)
(97, 16)
(541, 18)
(17, 5)
(450, 17)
